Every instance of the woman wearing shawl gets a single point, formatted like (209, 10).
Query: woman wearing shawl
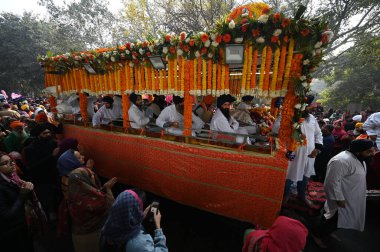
(88, 203)
(123, 230)
(339, 135)
(285, 235)
(17, 196)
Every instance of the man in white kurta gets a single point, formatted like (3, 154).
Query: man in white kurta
(173, 121)
(345, 187)
(302, 167)
(137, 117)
(372, 127)
(222, 121)
(107, 113)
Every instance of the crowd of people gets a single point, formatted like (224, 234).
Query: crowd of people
(45, 178)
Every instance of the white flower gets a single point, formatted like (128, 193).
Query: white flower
(214, 44)
(318, 45)
(244, 12)
(212, 36)
(260, 40)
(277, 32)
(131, 64)
(329, 34)
(141, 51)
(297, 106)
(231, 25)
(303, 78)
(165, 50)
(122, 54)
(77, 58)
(114, 52)
(113, 59)
(151, 48)
(127, 52)
(306, 62)
(179, 52)
(187, 40)
(134, 57)
(303, 107)
(283, 8)
(238, 40)
(197, 54)
(305, 84)
(318, 51)
(207, 43)
(263, 19)
(210, 55)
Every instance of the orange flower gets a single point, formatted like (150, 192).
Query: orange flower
(144, 44)
(244, 20)
(285, 22)
(192, 42)
(167, 38)
(256, 33)
(286, 39)
(226, 38)
(276, 17)
(204, 37)
(172, 50)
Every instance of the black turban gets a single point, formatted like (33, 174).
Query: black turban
(38, 129)
(361, 145)
(133, 97)
(247, 98)
(108, 99)
(177, 100)
(309, 99)
(223, 99)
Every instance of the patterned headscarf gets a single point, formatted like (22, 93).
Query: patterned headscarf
(124, 219)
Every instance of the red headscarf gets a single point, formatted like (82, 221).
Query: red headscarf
(41, 117)
(285, 235)
(339, 133)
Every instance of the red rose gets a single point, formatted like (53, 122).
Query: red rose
(204, 50)
(186, 48)
(244, 20)
(167, 38)
(144, 44)
(276, 17)
(305, 32)
(285, 22)
(172, 50)
(182, 36)
(325, 39)
(136, 61)
(256, 33)
(286, 39)
(204, 37)
(227, 38)
(266, 10)
(128, 45)
(244, 28)
(274, 39)
(135, 54)
(192, 42)
(218, 38)
(148, 54)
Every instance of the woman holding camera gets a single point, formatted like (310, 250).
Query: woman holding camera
(123, 230)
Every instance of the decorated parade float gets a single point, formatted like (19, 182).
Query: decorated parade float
(253, 51)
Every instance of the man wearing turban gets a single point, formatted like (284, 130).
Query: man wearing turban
(137, 116)
(107, 113)
(222, 121)
(372, 127)
(15, 140)
(171, 118)
(345, 187)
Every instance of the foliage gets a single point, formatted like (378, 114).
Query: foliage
(356, 78)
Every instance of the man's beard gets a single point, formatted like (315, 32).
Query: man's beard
(110, 107)
(305, 114)
(367, 160)
(226, 112)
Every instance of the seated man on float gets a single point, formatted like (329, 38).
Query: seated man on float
(171, 118)
(107, 113)
(137, 117)
(155, 107)
(243, 115)
(222, 121)
(203, 109)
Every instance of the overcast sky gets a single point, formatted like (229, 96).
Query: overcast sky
(19, 6)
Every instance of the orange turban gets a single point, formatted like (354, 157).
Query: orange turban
(41, 117)
(209, 99)
(16, 124)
